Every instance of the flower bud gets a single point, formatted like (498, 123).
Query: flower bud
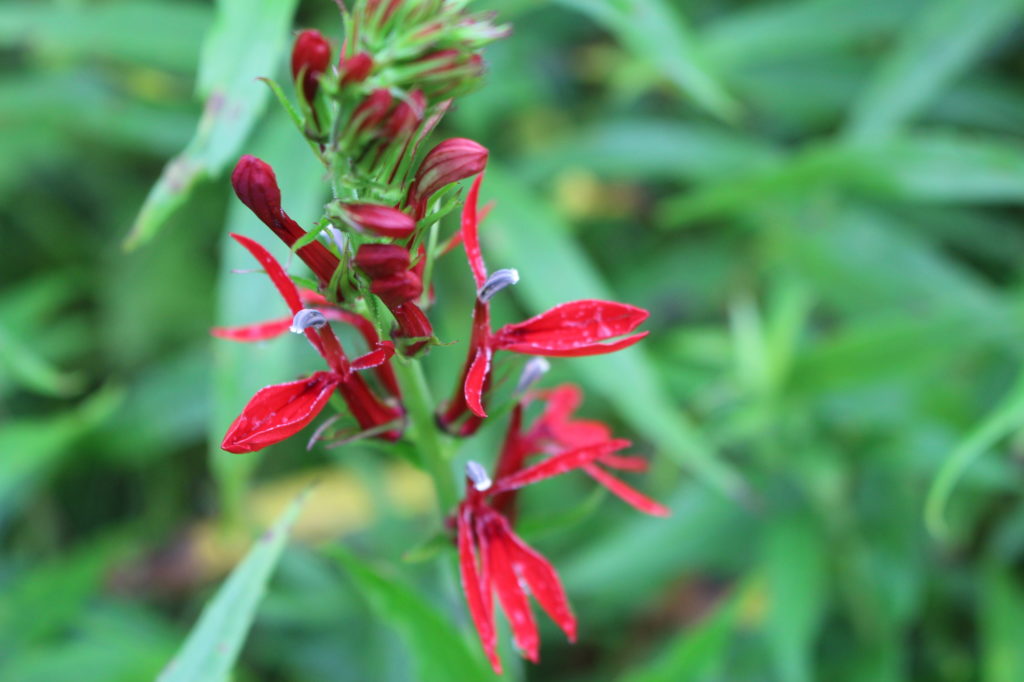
(312, 52)
(374, 109)
(381, 260)
(384, 221)
(448, 162)
(355, 69)
(256, 185)
(407, 116)
(397, 289)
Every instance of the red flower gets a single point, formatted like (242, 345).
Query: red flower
(587, 327)
(492, 558)
(279, 411)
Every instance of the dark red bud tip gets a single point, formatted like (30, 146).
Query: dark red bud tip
(381, 260)
(397, 289)
(312, 52)
(355, 69)
(276, 412)
(448, 162)
(384, 221)
(373, 110)
(407, 116)
(256, 186)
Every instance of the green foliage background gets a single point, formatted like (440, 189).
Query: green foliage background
(819, 202)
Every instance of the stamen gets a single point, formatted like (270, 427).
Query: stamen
(535, 368)
(476, 473)
(306, 318)
(498, 280)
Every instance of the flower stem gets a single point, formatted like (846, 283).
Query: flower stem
(428, 438)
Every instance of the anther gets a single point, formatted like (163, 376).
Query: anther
(535, 368)
(498, 280)
(305, 319)
(476, 473)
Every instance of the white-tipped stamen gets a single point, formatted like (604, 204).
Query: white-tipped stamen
(305, 319)
(535, 368)
(498, 280)
(476, 473)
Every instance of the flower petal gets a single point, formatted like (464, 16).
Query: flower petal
(544, 585)
(629, 495)
(480, 608)
(500, 554)
(470, 235)
(625, 462)
(285, 286)
(556, 465)
(248, 333)
(279, 411)
(376, 357)
(476, 380)
(575, 328)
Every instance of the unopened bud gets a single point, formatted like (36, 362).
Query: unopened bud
(498, 280)
(407, 116)
(307, 318)
(448, 162)
(384, 221)
(535, 368)
(373, 110)
(477, 475)
(381, 260)
(312, 52)
(256, 185)
(355, 69)
(399, 288)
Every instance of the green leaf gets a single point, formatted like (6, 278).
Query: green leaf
(793, 557)
(1002, 628)
(948, 37)
(439, 650)
(1005, 418)
(655, 32)
(529, 236)
(210, 650)
(245, 42)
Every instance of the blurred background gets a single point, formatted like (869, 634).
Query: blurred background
(819, 202)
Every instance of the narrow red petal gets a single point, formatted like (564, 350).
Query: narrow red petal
(475, 380)
(375, 358)
(470, 234)
(501, 553)
(544, 584)
(285, 286)
(556, 465)
(626, 493)
(625, 462)
(575, 328)
(480, 609)
(249, 333)
(369, 333)
(279, 411)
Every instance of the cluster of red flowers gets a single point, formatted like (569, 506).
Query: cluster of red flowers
(366, 119)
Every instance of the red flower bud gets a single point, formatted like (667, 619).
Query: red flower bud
(397, 289)
(373, 6)
(374, 109)
(381, 260)
(407, 116)
(355, 69)
(448, 162)
(381, 220)
(312, 52)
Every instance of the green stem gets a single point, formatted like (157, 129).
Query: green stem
(428, 438)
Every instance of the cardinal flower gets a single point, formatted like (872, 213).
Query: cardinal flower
(493, 559)
(586, 327)
(279, 411)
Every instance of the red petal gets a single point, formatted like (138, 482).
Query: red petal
(285, 286)
(544, 584)
(626, 493)
(475, 380)
(260, 331)
(279, 411)
(500, 554)
(624, 462)
(556, 465)
(376, 357)
(480, 608)
(576, 328)
(470, 235)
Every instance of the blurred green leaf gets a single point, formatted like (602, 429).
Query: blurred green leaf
(244, 43)
(530, 237)
(941, 44)
(656, 33)
(34, 372)
(213, 644)
(1001, 617)
(439, 650)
